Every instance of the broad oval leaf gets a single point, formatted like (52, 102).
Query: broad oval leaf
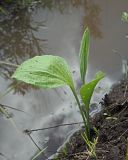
(44, 71)
(83, 54)
(87, 90)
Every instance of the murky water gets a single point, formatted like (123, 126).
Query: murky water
(56, 28)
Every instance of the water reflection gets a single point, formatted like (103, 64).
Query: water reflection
(61, 5)
(19, 32)
(92, 18)
(19, 40)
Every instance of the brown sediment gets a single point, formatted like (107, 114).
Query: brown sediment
(112, 123)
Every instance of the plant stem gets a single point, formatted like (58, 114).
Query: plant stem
(81, 111)
(88, 124)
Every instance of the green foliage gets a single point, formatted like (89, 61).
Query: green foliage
(65, 150)
(91, 150)
(83, 54)
(45, 72)
(86, 90)
(52, 71)
(125, 17)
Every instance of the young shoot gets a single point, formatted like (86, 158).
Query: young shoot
(50, 71)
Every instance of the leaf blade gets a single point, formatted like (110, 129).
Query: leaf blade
(44, 71)
(87, 90)
(84, 53)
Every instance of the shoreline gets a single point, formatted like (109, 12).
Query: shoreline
(111, 123)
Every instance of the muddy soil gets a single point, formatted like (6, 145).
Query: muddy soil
(112, 124)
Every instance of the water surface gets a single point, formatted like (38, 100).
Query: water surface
(56, 27)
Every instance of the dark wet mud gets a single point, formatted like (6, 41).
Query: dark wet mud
(112, 124)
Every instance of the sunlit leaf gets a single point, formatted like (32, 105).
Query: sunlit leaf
(87, 90)
(44, 71)
(84, 52)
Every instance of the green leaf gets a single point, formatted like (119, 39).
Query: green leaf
(45, 72)
(83, 54)
(87, 90)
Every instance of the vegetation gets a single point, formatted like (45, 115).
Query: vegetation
(53, 71)
(125, 16)
(50, 71)
(91, 150)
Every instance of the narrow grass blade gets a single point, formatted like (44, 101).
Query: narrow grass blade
(7, 91)
(37, 155)
(2, 110)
